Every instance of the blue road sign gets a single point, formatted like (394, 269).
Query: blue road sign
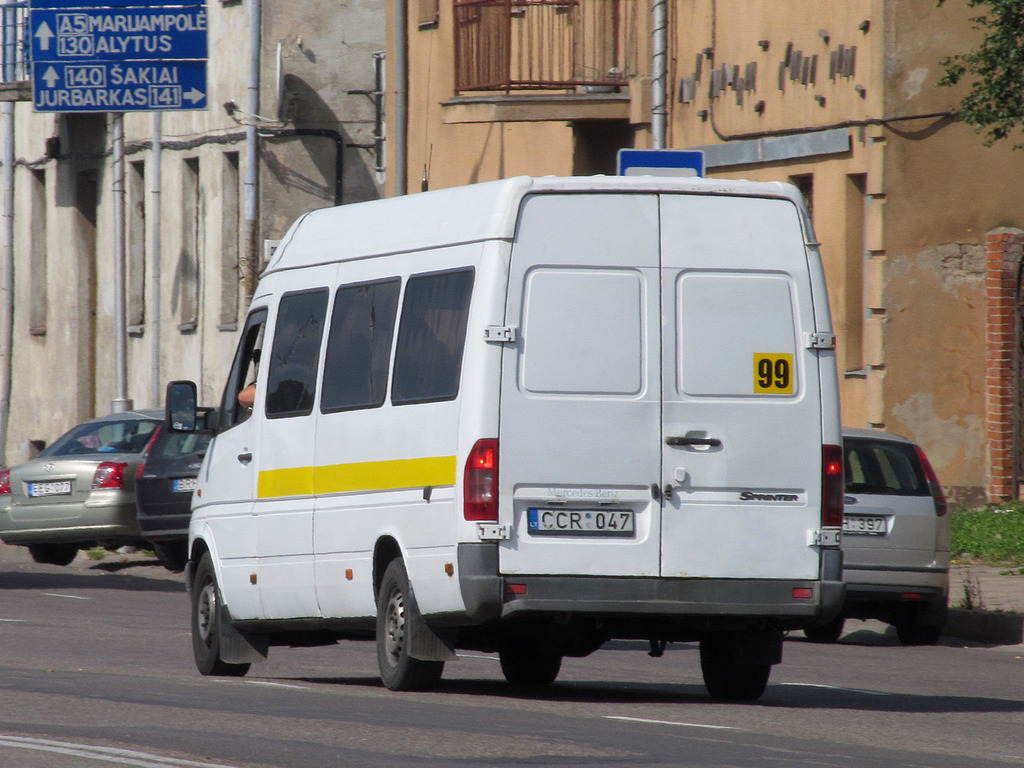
(661, 162)
(118, 34)
(128, 86)
(33, 4)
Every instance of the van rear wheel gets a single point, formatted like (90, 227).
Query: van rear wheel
(529, 664)
(725, 678)
(396, 617)
(206, 619)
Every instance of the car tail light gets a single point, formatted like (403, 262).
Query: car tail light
(109, 474)
(933, 483)
(480, 482)
(145, 453)
(5, 481)
(832, 486)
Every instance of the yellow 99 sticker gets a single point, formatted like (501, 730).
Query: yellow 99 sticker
(773, 374)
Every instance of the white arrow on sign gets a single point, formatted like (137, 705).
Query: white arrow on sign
(195, 95)
(45, 35)
(50, 76)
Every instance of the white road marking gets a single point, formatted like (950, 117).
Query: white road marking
(69, 597)
(263, 682)
(673, 722)
(107, 754)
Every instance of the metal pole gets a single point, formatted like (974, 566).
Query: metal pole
(659, 71)
(120, 402)
(7, 237)
(154, 219)
(401, 96)
(250, 267)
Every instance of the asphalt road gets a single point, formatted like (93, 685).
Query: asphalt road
(96, 670)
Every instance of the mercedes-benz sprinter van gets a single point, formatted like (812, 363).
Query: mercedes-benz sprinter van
(528, 417)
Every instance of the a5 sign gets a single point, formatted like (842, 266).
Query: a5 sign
(773, 374)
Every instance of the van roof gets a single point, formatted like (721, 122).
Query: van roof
(461, 215)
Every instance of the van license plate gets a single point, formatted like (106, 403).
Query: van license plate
(866, 525)
(54, 488)
(184, 485)
(581, 522)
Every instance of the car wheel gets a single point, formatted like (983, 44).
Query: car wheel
(725, 678)
(172, 555)
(529, 664)
(910, 632)
(396, 614)
(826, 633)
(206, 618)
(53, 554)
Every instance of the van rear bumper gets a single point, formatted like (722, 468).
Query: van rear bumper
(490, 596)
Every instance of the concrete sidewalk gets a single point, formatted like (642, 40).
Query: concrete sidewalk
(986, 604)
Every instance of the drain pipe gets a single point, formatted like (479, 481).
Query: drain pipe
(250, 265)
(401, 96)
(156, 394)
(7, 237)
(659, 72)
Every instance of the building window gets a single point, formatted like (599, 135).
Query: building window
(188, 261)
(136, 248)
(37, 255)
(229, 245)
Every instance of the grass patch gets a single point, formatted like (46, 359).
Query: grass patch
(992, 534)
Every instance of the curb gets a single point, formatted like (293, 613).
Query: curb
(985, 626)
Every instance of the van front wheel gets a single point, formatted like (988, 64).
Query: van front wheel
(206, 619)
(396, 617)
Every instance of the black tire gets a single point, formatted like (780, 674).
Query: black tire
(395, 612)
(529, 665)
(206, 618)
(826, 633)
(53, 554)
(910, 632)
(172, 554)
(724, 677)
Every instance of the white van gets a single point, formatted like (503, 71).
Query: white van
(528, 416)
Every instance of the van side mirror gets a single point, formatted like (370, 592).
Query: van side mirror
(181, 407)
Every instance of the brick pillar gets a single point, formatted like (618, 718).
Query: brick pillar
(1004, 251)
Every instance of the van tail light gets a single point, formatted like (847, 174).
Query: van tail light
(109, 474)
(5, 482)
(480, 482)
(941, 507)
(832, 486)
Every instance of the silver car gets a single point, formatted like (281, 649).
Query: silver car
(80, 491)
(895, 539)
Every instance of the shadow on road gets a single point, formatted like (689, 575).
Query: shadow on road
(100, 576)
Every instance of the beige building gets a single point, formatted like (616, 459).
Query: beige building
(839, 98)
(205, 194)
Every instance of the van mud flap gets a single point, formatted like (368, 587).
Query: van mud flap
(239, 647)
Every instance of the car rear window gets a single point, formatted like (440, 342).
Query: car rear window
(883, 467)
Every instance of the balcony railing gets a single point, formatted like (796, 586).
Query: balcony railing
(506, 45)
(15, 48)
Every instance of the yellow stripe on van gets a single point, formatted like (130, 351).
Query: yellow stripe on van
(358, 476)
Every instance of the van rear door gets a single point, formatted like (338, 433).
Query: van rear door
(742, 407)
(660, 412)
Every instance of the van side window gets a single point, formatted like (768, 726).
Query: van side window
(294, 358)
(243, 370)
(431, 337)
(359, 346)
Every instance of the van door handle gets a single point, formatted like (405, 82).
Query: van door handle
(245, 458)
(712, 442)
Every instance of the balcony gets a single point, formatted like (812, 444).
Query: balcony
(544, 45)
(15, 54)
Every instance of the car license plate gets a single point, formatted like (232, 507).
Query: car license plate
(581, 522)
(868, 525)
(184, 484)
(51, 488)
